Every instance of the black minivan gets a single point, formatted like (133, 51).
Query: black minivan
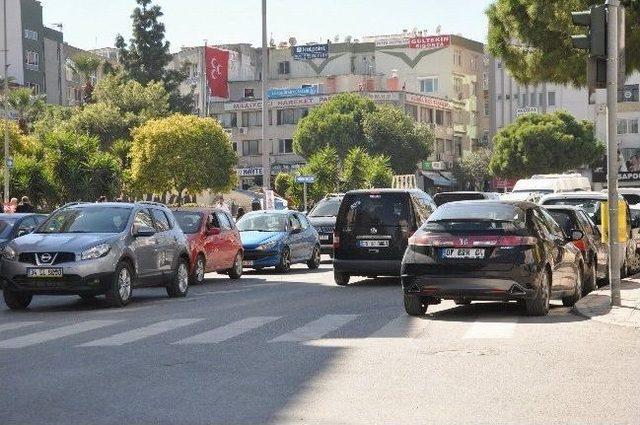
(372, 230)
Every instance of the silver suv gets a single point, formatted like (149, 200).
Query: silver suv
(90, 249)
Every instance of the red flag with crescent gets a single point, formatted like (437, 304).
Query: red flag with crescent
(217, 66)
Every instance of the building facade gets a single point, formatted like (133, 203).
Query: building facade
(442, 83)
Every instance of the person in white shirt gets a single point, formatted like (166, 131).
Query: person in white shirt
(222, 205)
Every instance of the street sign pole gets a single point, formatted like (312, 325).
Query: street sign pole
(613, 50)
(266, 165)
(6, 108)
(305, 195)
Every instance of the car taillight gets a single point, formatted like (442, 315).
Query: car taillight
(434, 240)
(581, 245)
(336, 241)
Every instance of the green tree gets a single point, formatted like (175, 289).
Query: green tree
(391, 132)
(283, 183)
(86, 64)
(132, 98)
(472, 171)
(380, 173)
(541, 29)
(337, 123)
(182, 153)
(355, 169)
(53, 117)
(30, 177)
(104, 121)
(27, 105)
(543, 143)
(146, 57)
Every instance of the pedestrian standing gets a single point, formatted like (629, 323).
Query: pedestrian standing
(240, 213)
(25, 206)
(222, 205)
(102, 199)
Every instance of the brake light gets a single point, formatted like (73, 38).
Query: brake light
(517, 241)
(336, 241)
(434, 240)
(581, 245)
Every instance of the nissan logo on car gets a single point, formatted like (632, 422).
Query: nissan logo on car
(45, 257)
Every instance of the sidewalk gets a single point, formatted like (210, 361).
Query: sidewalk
(596, 305)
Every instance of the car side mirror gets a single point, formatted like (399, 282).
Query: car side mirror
(144, 231)
(296, 231)
(25, 231)
(213, 231)
(576, 235)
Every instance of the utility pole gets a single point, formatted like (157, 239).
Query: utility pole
(6, 107)
(266, 165)
(613, 50)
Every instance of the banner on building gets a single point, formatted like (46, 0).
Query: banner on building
(628, 166)
(217, 68)
(314, 51)
(629, 93)
(430, 42)
(292, 92)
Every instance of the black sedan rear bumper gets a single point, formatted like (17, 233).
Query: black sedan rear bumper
(467, 287)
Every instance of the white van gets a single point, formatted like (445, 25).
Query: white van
(552, 183)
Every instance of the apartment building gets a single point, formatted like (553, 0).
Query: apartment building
(438, 80)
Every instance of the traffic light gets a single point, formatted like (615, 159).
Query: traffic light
(595, 41)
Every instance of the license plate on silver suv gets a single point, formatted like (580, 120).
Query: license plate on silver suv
(44, 272)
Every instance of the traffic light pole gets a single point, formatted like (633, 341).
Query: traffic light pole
(613, 49)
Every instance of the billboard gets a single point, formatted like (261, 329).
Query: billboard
(292, 92)
(628, 166)
(314, 51)
(430, 42)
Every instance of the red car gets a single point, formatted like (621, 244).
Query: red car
(214, 242)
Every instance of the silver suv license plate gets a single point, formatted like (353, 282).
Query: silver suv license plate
(47, 272)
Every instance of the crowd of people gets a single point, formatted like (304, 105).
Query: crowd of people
(24, 206)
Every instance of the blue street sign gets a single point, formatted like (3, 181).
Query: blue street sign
(305, 179)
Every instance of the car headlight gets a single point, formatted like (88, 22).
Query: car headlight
(95, 252)
(9, 253)
(267, 246)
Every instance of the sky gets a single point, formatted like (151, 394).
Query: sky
(90, 24)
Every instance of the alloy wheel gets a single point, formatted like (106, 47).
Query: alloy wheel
(183, 277)
(200, 269)
(124, 284)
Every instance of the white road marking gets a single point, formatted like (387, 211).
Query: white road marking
(140, 333)
(492, 328)
(317, 328)
(56, 333)
(402, 327)
(229, 331)
(16, 325)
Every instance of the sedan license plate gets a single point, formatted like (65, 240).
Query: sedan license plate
(247, 263)
(324, 237)
(373, 244)
(45, 272)
(463, 253)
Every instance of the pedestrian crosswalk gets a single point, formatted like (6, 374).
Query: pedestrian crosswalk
(272, 330)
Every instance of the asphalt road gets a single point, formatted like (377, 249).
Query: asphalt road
(296, 348)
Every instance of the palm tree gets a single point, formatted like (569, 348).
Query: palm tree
(27, 106)
(86, 64)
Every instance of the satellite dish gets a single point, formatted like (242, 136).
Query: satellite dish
(293, 41)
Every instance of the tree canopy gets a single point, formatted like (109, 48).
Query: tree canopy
(184, 153)
(543, 143)
(472, 171)
(532, 38)
(350, 121)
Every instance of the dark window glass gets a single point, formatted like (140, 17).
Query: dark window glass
(143, 219)
(477, 217)
(443, 198)
(294, 222)
(92, 219)
(565, 220)
(378, 209)
(326, 208)
(262, 222)
(161, 221)
(188, 221)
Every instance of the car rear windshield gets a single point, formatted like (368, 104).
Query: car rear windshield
(443, 198)
(326, 208)
(189, 221)
(565, 220)
(262, 223)
(95, 219)
(474, 217)
(591, 206)
(379, 209)
(631, 198)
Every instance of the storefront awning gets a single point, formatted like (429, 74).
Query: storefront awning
(437, 179)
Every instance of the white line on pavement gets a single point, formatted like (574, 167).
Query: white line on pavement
(317, 328)
(229, 331)
(140, 333)
(402, 327)
(492, 328)
(55, 333)
(16, 325)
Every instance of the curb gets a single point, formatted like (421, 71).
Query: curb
(596, 306)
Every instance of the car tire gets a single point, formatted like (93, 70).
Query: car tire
(16, 300)
(285, 261)
(593, 278)
(197, 277)
(314, 262)
(179, 286)
(539, 304)
(235, 272)
(119, 292)
(461, 301)
(571, 300)
(414, 305)
(341, 278)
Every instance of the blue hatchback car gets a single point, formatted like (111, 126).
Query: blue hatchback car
(278, 239)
